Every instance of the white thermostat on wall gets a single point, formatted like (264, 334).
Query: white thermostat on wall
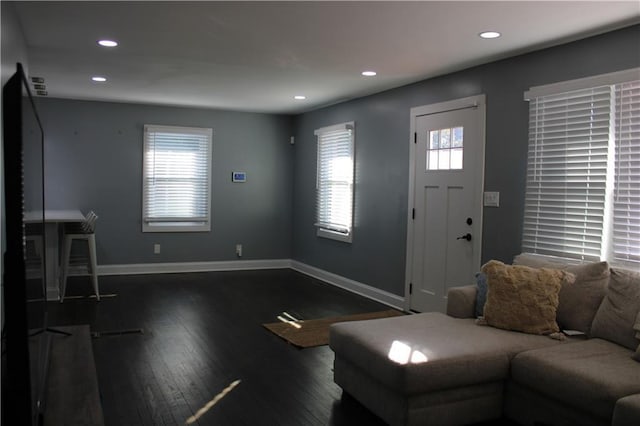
(239, 177)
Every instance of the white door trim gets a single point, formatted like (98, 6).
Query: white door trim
(478, 102)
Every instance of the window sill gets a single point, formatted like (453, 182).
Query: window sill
(176, 227)
(333, 235)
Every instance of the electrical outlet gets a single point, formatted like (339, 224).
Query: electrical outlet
(239, 250)
(156, 249)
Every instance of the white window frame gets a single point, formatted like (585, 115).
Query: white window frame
(606, 152)
(179, 223)
(325, 227)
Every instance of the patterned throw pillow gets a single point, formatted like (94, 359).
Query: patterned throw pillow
(521, 298)
(579, 301)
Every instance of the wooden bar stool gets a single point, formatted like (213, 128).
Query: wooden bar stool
(34, 251)
(84, 231)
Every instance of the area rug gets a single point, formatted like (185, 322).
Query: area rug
(309, 333)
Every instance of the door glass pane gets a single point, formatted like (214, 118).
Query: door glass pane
(445, 138)
(435, 139)
(456, 159)
(457, 137)
(432, 159)
(443, 159)
(445, 150)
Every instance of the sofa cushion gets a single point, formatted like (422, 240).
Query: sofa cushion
(523, 298)
(579, 301)
(419, 353)
(590, 375)
(636, 327)
(617, 314)
(461, 301)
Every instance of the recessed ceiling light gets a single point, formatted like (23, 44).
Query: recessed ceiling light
(369, 73)
(489, 34)
(299, 97)
(107, 43)
(99, 79)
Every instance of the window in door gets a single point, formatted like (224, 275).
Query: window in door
(446, 149)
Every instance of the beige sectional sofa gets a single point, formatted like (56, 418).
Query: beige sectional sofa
(437, 369)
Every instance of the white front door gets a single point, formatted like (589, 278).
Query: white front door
(445, 201)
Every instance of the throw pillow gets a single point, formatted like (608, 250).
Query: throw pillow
(579, 301)
(521, 298)
(617, 314)
(481, 293)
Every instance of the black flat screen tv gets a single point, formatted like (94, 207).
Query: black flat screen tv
(25, 344)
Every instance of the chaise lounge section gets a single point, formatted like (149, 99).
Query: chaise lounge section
(437, 369)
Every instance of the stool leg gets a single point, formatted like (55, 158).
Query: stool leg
(94, 264)
(66, 255)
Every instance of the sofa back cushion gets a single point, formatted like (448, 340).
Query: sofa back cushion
(521, 298)
(579, 301)
(636, 327)
(617, 314)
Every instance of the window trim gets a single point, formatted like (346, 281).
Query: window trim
(177, 226)
(324, 232)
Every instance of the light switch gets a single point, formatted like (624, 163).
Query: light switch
(491, 199)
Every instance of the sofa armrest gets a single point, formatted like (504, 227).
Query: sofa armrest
(627, 411)
(461, 301)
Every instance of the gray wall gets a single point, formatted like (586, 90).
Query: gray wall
(377, 255)
(93, 154)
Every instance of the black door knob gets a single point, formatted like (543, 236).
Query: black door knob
(465, 237)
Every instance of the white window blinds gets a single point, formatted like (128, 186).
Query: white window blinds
(583, 177)
(626, 205)
(176, 179)
(334, 184)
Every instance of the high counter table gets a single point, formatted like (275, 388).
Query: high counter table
(54, 220)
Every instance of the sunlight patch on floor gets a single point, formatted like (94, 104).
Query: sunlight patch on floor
(291, 320)
(211, 403)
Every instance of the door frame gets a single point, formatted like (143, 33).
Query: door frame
(478, 102)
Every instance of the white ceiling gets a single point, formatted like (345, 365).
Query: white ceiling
(255, 56)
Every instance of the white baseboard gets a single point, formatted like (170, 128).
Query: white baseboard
(365, 290)
(181, 267)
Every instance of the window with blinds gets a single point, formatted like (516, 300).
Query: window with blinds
(334, 182)
(176, 179)
(583, 175)
(626, 204)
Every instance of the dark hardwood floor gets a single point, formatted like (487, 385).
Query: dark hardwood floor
(201, 333)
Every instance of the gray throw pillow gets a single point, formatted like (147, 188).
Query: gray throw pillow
(616, 317)
(580, 301)
(481, 294)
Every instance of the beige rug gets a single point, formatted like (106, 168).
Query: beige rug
(306, 334)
